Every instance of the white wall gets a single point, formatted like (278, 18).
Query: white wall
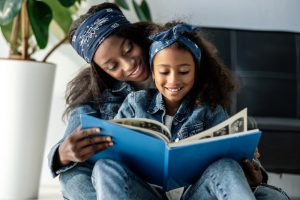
(281, 15)
(250, 14)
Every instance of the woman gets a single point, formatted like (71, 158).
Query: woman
(117, 52)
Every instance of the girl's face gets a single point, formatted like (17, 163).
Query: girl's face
(174, 74)
(122, 59)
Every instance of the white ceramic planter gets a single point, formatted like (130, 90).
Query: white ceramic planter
(26, 92)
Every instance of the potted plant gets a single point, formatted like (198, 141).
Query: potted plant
(26, 87)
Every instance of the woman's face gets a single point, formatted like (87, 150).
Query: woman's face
(173, 74)
(122, 59)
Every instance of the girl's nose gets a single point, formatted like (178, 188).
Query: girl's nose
(172, 78)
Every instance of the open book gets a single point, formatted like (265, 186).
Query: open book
(144, 146)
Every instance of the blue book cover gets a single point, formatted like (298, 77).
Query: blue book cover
(158, 161)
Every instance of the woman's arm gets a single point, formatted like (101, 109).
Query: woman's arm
(77, 145)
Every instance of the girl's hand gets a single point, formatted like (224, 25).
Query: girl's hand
(252, 170)
(82, 144)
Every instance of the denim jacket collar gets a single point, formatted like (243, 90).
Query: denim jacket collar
(157, 104)
(120, 86)
(119, 89)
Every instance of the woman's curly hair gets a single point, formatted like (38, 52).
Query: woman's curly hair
(87, 86)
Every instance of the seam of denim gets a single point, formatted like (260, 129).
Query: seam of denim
(93, 179)
(274, 188)
(219, 188)
(66, 168)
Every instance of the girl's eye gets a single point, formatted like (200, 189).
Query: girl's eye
(163, 73)
(184, 72)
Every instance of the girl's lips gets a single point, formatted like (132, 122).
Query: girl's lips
(173, 90)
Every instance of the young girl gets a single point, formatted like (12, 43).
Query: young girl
(193, 89)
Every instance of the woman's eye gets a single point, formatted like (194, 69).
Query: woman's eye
(112, 67)
(128, 47)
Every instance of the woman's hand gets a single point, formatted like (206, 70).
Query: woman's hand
(252, 170)
(82, 144)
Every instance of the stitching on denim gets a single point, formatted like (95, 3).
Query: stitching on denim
(219, 188)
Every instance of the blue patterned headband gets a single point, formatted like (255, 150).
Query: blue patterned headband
(167, 38)
(95, 29)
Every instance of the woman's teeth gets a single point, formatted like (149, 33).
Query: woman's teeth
(137, 72)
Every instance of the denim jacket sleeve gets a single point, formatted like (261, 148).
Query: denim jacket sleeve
(73, 123)
(126, 110)
(216, 116)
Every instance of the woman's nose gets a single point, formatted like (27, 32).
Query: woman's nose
(128, 65)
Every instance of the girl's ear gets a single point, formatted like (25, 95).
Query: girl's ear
(153, 77)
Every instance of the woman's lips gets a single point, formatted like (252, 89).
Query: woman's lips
(137, 72)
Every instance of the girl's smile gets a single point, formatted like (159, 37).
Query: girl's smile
(174, 74)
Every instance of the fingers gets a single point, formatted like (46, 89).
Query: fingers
(91, 150)
(82, 154)
(247, 165)
(82, 144)
(256, 154)
(255, 164)
(94, 140)
(82, 134)
(252, 172)
(79, 134)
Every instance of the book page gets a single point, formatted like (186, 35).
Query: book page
(146, 126)
(235, 124)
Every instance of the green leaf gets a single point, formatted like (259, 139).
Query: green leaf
(66, 3)
(61, 15)
(6, 31)
(139, 12)
(145, 8)
(8, 10)
(122, 3)
(40, 16)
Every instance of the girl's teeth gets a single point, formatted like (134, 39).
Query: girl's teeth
(174, 90)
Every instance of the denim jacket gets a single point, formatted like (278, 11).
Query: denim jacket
(110, 101)
(187, 120)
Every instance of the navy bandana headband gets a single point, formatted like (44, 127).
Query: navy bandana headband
(94, 30)
(164, 39)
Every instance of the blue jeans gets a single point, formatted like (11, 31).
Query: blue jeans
(224, 179)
